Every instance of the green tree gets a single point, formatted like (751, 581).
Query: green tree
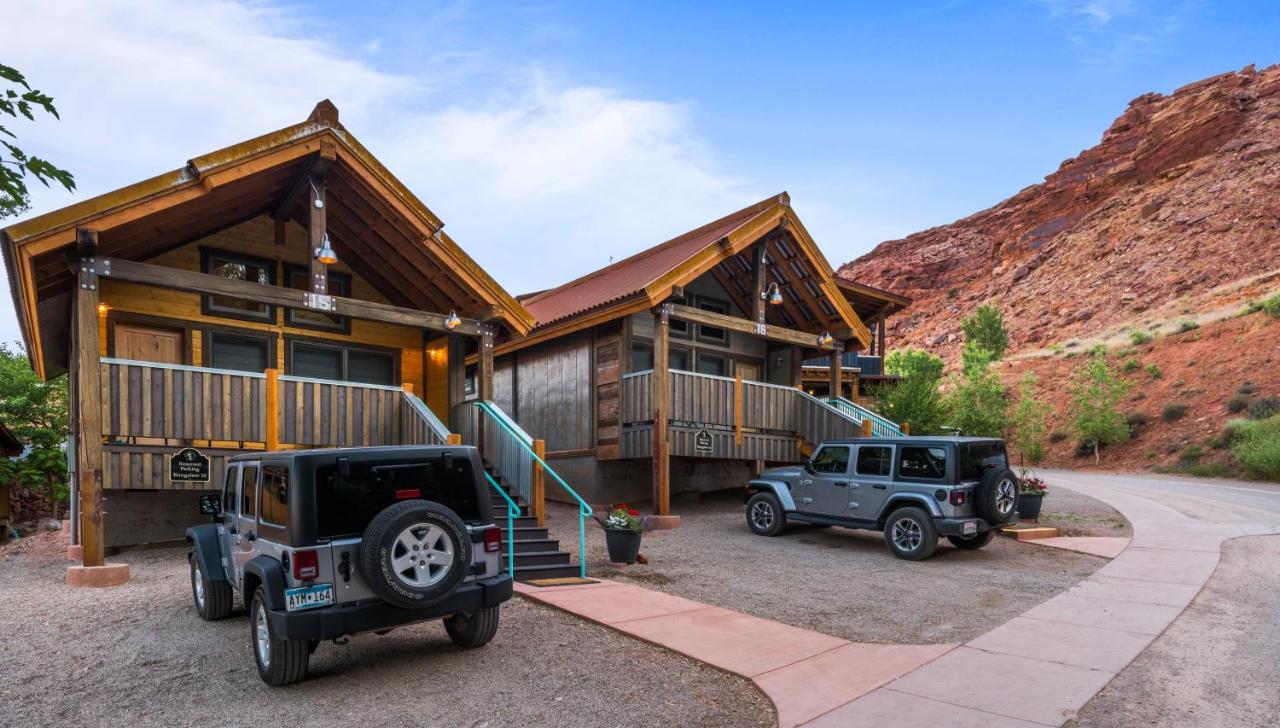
(36, 412)
(985, 328)
(1030, 421)
(917, 398)
(1096, 393)
(975, 403)
(18, 98)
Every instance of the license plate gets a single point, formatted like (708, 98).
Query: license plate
(970, 528)
(308, 597)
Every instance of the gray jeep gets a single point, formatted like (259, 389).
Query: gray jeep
(911, 488)
(322, 544)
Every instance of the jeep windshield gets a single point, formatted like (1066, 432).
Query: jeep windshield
(345, 504)
(977, 458)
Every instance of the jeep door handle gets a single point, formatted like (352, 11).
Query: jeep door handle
(879, 486)
(841, 483)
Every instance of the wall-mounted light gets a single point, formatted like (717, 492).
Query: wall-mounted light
(319, 198)
(452, 322)
(826, 339)
(102, 309)
(325, 253)
(772, 294)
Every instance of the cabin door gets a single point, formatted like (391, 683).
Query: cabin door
(150, 343)
(748, 371)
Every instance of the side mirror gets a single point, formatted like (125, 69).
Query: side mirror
(210, 504)
(808, 467)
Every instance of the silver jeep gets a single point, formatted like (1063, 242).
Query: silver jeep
(322, 544)
(914, 489)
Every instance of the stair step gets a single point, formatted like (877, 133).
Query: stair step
(540, 558)
(549, 571)
(533, 545)
(526, 533)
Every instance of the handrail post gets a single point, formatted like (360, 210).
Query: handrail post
(453, 439)
(866, 427)
(539, 482)
(271, 409)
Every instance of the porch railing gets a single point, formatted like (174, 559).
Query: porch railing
(880, 426)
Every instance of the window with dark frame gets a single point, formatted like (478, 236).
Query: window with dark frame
(875, 460)
(929, 463)
(832, 460)
(240, 268)
(679, 359)
(713, 334)
(469, 380)
(275, 496)
(339, 362)
(248, 490)
(298, 278)
(641, 357)
(229, 491)
(238, 352)
(713, 364)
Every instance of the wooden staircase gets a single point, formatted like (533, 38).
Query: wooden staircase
(538, 556)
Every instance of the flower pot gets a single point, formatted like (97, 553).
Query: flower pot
(1029, 505)
(624, 545)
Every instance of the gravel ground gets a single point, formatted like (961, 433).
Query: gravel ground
(1216, 664)
(1074, 514)
(842, 582)
(139, 655)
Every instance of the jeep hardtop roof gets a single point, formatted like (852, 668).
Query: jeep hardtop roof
(911, 440)
(355, 453)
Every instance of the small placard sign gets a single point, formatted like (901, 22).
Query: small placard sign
(189, 465)
(702, 441)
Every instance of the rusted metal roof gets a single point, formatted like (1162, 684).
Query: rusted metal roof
(629, 277)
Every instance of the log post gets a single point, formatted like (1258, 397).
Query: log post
(836, 370)
(906, 428)
(661, 396)
(866, 427)
(539, 483)
(737, 409)
(315, 234)
(760, 282)
(880, 333)
(88, 374)
(271, 409)
(484, 389)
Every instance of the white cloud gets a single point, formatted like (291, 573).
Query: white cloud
(539, 181)
(1115, 32)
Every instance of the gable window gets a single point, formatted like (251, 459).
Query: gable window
(238, 268)
(241, 352)
(642, 358)
(298, 277)
(336, 362)
(713, 334)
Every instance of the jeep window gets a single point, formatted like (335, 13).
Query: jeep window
(875, 460)
(979, 457)
(229, 490)
(248, 490)
(832, 460)
(346, 505)
(275, 496)
(929, 463)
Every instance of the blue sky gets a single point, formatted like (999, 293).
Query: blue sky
(553, 136)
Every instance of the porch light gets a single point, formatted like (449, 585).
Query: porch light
(453, 321)
(102, 309)
(772, 294)
(826, 339)
(319, 198)
(325, 253)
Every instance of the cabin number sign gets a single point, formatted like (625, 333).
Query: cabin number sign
(189, 465)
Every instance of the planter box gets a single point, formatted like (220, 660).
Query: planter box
(1029, 506)
(624, 545)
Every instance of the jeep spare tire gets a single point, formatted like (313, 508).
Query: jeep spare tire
(996, 497)
(415, 553)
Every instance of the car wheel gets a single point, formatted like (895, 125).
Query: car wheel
(415, 553)
(910, 534)
(765, 516)
(212, 598)
(280, 661)
(996, 497)
(473, 630)
(971, 543)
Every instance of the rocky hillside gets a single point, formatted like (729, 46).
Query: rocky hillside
(1171, 221)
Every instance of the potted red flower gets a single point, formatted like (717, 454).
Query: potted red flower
(1031, 493)
(622, 528)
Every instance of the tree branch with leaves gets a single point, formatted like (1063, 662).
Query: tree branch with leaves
(18, 100)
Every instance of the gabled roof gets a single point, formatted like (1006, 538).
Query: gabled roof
(653, 275)
(378, 227)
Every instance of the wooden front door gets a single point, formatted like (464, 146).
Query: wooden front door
(748, 371)
(150, 343)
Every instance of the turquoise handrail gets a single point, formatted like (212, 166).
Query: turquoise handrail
(584, 510)
(881, 426)
(513, 512)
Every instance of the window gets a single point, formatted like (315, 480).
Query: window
(678, 359)
(469, 380)
(248, 490)
(832, 459)
(979, 457)
(336, 362)
(923, 462)
(678, 328)
(346, 504)
(713, 364)
(713, 334)
(299, 278)
(641, 357)
(875, 460)
(275, 495)
(229, 491)
(241, 352)
(240, 268)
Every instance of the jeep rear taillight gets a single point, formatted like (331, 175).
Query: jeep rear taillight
(959, 497)
(306, 565)
(492, 540)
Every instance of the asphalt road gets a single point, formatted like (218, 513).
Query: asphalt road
(1218, 664)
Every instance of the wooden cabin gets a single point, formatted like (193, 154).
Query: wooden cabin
(284, 292)
(860, 372)
(722, 318)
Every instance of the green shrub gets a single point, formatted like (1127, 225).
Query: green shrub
(1251, 307)
(1190, 455)
(1264, 408)
(1154, 371)
(1247, 388)
(1186, 326)
(1209, 470)
(1173, 412)
(1237, 403)
(1058, 436)
(1140, 337)
(1272, 306)
(1136, 421)
(1132, 365)
(1257, 446)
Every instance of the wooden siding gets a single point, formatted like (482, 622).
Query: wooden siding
(256, 238)
(331, 414)
(554, 397)
(136, 466)
(608, 390)
(142, 400)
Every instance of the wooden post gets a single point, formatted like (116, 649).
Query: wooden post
(880, 334)
(453, 439)
(906, 428)
(760, 303)
(315, 234)
(661, 395)
(539, 483)
(456, 374)
(866, 427)
(272, 409)
(836, 370)
(485, 383)
(88, 373)
(737, 409)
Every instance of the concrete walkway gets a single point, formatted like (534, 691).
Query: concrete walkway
(1038, 669)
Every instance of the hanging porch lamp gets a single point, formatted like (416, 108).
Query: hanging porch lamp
(453, 321)
(325, 253)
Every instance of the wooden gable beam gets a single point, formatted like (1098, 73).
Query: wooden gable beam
(317, 166)
(733, 323)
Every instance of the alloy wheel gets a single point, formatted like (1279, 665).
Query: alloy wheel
(1006, 496)
(422, 554)
(197, 583)
(262, 635)
(906, 534)
(762, 515)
